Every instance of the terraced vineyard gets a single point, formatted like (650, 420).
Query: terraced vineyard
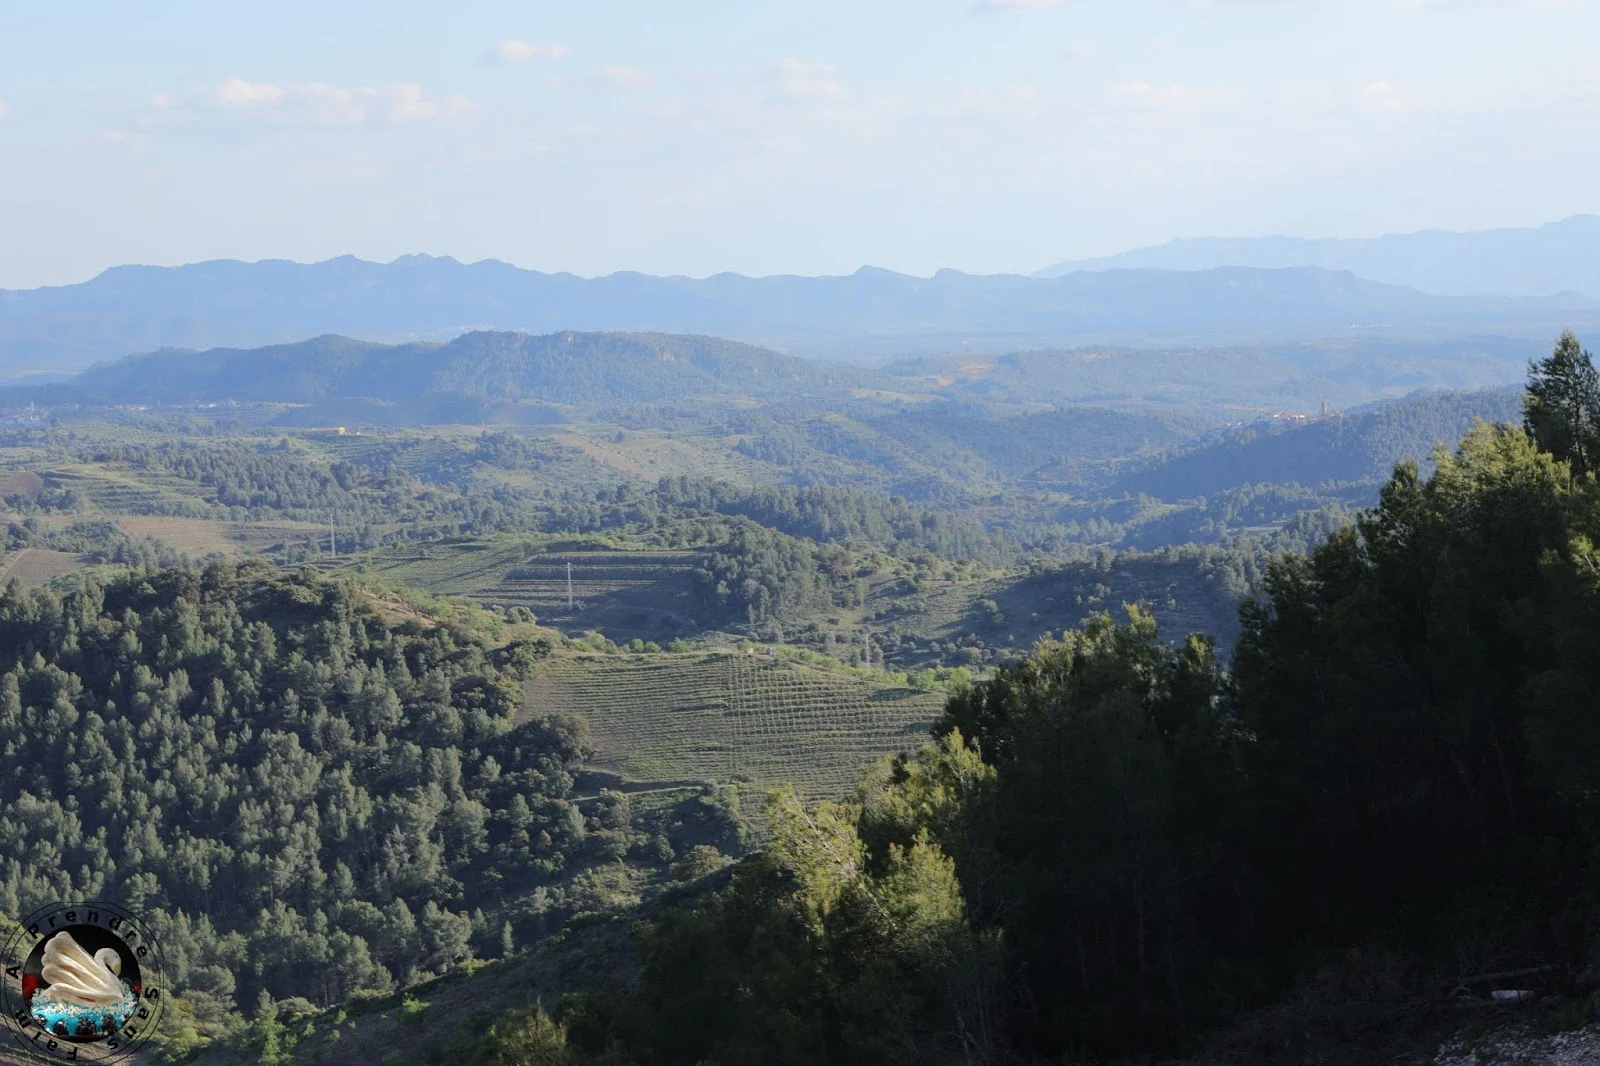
(627, 592)
(115, 494)
(666, 719)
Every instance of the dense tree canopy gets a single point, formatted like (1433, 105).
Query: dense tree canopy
(306, 796)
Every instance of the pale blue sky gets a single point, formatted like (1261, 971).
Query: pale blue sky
(694, 137)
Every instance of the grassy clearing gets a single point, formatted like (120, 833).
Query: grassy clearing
(605, 455)
(462, 568)
(1014, 610)
(655, 454)
(20, 483)
(741, 718)
(206, 536)
(36, 566)
(1182, 599)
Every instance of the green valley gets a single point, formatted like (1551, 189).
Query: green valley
(541, 669)
(594, 535)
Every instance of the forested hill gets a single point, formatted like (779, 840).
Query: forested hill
(570, 368)
(468, 378)
(312, 790)
(1363, 446)
(1344, 371)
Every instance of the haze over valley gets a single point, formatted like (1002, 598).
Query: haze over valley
(1208, 293)
(973, 533)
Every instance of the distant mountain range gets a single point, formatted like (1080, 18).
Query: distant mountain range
(1554, 258)
(869, 313)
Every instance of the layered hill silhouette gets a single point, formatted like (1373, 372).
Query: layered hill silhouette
(559, 368)
(871, 312)
(515, 378)
(1556, 257)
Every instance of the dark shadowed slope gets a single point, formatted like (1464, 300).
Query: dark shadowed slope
(1358, 446)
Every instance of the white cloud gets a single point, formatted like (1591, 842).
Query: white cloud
(407, 103)
(1174, 97)
(622, 77)
(523, 52)
(236, 92)
(1381, 95)
(126, 140)
(800, 80)
(306, 104)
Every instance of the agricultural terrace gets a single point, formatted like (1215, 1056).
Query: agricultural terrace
(733, 717)
(654, 585)
(624, 593)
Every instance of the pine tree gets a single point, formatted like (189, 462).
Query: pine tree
(1562, 407)
(270, 1030)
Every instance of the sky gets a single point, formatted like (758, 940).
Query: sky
(695, 137)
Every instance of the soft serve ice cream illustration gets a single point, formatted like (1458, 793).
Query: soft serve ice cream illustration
(80, 982)
(82, 995)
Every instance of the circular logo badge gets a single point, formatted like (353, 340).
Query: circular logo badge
(82, 983)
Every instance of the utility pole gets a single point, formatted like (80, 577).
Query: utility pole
(333, 545)
(569, 586)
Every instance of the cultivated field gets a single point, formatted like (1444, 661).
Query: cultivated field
(733, 717)
(204, 536)
(20, 483)
(118, 492)
(462, 568)
(625, 594)
(35, 566)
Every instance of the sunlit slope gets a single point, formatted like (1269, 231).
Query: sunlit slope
(734, 717)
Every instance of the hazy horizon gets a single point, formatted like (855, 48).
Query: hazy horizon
(992, 137)
(1027, 272)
